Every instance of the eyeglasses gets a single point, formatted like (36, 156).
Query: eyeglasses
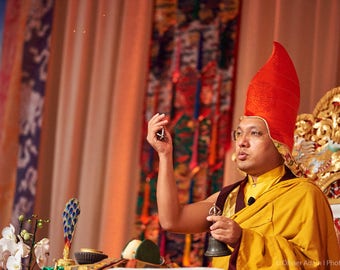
(253, 134)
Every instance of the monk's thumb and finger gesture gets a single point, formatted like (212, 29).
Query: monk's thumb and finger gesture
(158, 136)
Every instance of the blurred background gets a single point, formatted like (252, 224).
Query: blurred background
(79, 80)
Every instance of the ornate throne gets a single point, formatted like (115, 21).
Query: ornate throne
(317, 148)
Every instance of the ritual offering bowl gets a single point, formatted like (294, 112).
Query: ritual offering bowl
(89, 256)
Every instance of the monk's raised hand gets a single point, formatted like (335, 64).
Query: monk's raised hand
(158, 135)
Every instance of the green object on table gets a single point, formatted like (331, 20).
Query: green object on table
(149, 252)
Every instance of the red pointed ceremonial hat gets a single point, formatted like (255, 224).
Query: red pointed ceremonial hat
(274, 95)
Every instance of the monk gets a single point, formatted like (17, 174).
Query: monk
(272, 219)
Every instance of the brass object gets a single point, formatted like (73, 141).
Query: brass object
(317, 143)
(216, 248)
(92, 250)
(64, 263)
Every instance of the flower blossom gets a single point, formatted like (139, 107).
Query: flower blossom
(8, 245)
(22, 249)
(14, 262)
(41, 252)
(12, 249)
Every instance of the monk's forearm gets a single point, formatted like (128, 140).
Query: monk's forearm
(173, 216)
(169, 208)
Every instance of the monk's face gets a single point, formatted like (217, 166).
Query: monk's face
(255, 151)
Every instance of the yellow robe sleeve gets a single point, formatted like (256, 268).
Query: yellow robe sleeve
(290, 227)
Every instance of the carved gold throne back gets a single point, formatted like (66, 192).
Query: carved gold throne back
(317, 147)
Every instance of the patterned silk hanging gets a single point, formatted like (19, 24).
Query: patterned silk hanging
(191, 78)
(34, 65)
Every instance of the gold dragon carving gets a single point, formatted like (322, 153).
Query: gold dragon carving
(317, 143)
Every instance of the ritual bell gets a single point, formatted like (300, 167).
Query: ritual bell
(216, 248)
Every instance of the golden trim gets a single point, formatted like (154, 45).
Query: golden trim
(91, 250)
(317, 141)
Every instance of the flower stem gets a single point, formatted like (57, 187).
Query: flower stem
(32, 243)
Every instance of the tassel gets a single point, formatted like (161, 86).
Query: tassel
(194, 166)
(162, 245)
(146, 203)
(194, 158)
(212, 147)
(187, 244)
(214, 131)
(187, 250)
(175, 76)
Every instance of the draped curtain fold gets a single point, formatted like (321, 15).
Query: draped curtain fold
(102, 68)
(10, 86)
(90, 141)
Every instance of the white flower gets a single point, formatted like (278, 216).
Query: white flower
(4, 254)
(22, 249)
(12, 251)
(14, 262)
(41, 252)
(9, 233)
(8, 240)
(13, 248)
(8, 245)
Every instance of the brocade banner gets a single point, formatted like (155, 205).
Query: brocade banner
(191, 79)
(35, 61)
